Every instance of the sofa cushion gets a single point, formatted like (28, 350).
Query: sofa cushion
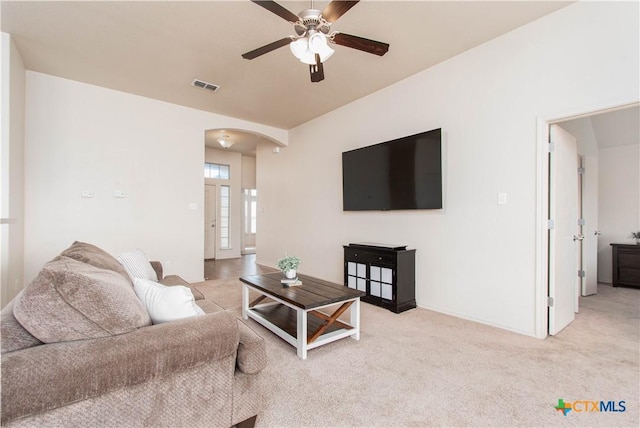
(71, 300)
(88, 253)
(14, 336)
(166, 304)
(209, 306)
(137, 265)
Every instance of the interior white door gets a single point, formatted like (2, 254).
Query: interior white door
(590, 228)
(564, 236)
(209, 221)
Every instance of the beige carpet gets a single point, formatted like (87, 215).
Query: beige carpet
(421, 368)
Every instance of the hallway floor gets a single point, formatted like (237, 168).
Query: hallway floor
(234, 268)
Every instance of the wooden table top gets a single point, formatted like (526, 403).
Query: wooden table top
(311, 294)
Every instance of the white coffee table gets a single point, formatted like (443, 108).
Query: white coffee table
(286, 310)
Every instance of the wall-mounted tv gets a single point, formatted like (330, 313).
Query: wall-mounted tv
(401, 174)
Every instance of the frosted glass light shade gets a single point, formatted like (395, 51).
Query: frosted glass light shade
(305, 48)
(318, 45)
(299, 47)
(225, 143)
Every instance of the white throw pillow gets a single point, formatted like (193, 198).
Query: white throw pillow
(164, 303)
(137, 265)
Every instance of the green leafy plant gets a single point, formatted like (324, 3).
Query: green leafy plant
(635, 235)
(288, 263)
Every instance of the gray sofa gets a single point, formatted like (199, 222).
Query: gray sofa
(104, 364)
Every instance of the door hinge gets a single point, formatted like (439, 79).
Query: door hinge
(549, 301)
(581, 222)
(581, 273)
(552, 146)
(550, 224)
(581, 170)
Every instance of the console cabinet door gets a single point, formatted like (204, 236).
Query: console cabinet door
(626, 265)
(356, 276)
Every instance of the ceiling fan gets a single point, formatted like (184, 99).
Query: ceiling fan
(312, 28)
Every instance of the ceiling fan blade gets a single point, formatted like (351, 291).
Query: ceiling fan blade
(317, 70)
(360, 43)
(281, 11)
(267, 48)
(336, 9)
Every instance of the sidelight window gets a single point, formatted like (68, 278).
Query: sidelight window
(250, 208)
(224, 216)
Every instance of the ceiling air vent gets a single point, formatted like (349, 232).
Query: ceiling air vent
(205, 85)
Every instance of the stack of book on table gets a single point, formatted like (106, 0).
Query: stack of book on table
(290, 282)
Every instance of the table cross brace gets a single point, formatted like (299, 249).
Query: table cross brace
(329, 320)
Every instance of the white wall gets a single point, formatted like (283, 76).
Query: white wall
(12, 170)
(475, 259)
(235, 182)
(248, 172)
(619, 196)
(81, 137)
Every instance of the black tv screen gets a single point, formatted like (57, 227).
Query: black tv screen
(402, 174)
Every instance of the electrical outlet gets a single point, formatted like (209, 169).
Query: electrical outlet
(502, 199)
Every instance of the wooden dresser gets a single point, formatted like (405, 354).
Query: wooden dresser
(626, 265)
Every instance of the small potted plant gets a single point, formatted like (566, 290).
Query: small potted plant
(636, 236)
(289, 265)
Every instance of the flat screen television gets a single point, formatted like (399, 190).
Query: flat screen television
(401, 174)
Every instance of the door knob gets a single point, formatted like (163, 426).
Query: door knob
(578, 237)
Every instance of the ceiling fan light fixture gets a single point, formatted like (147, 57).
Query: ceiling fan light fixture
(305, 48)
(313, 34)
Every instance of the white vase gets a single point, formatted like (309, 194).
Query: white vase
(291, 273)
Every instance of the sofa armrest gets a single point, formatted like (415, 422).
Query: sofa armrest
(174, 280)
(157, 266)
(53, 375)
(171, 280)
(252, 350)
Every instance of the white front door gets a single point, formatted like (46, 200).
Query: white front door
(590, 228)
(564, 236)
(209, 221)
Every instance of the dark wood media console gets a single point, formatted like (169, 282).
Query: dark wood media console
(626, 265)
(387, 273)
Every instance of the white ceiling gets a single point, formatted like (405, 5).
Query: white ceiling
(156, 49)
